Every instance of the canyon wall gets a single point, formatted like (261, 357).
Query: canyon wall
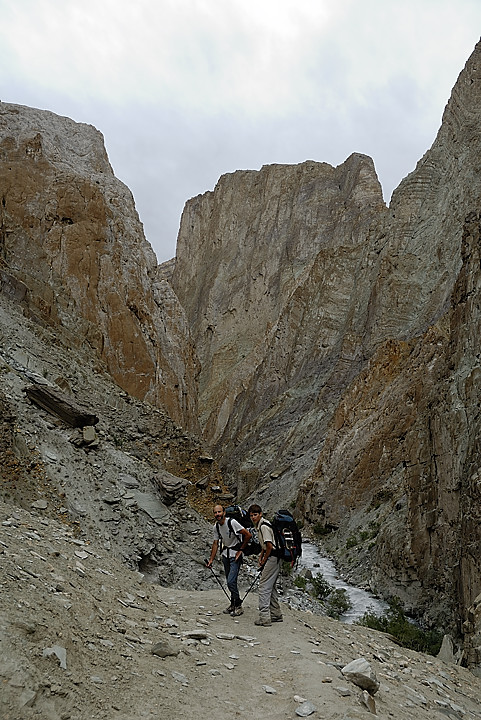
(244, 252)
(73, 252)
(339, 359)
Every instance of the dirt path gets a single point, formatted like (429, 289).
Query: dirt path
(67, 603)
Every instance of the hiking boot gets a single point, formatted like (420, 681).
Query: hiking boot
(229, 610)
(264, 622)
(238, 611)
(277, 619)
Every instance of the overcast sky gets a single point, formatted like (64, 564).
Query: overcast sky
(186, 90)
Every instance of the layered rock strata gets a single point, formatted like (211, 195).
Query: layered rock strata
(338, 338)
(246, 251)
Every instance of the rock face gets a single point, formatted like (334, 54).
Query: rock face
(340, 359)
(402, 450)
(72, 250)
(245, 254)
(122, 481)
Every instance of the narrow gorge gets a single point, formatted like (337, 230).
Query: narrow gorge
(309, 346)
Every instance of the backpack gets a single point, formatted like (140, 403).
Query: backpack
(287, 536)
(239, 514)
(242, 516)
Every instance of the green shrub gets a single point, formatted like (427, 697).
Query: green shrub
(394, 622)
(286, 568)
(320, 587)
(338, 603)
(300, 582)
(352, 541)
(319, 529)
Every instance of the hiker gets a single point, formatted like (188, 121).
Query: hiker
(234, 538)
(269, 563)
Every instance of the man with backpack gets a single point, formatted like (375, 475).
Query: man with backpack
(234, 538)
(269, 608)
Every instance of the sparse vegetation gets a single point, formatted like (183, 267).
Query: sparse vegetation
(364, 535)
(352, 541)
(336, 600)
(319, 529)
(395, 622)
(321, 588)
(286, 568)
(338, 603)
(301, 582)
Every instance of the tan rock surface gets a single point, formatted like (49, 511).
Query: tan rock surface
(245, 249)
(71, 238)
(338, 341)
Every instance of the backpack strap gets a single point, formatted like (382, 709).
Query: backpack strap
(274, 545)
(231, 532)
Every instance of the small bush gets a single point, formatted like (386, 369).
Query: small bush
(352, 541)
(409, 635)
(338, 603)
(300, 582)
(319, 529)
(286, 568)
(320, 587)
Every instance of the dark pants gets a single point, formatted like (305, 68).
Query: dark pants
(231, 569)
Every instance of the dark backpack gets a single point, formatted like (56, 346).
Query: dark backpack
(287, 536)
(239, 514)
(242, 516)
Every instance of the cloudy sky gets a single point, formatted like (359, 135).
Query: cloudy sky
(186, 90)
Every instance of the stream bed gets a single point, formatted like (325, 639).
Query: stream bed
(361, 599)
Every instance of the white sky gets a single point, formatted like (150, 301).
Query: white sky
(186, 90)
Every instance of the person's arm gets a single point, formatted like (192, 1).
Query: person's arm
(213, 553)
(264, 556)
(265, 531)
(246, 536)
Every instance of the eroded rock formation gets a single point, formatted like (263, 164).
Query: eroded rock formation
(339, 368)
(72, 250)
(245, 254)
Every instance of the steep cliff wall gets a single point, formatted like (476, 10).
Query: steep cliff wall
(72, 250)
(402, 451)
(244, 251)
(338, 343)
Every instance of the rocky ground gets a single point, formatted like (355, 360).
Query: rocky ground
(105, 481)
(82, 636)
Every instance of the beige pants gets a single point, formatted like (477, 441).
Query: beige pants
(268, 601)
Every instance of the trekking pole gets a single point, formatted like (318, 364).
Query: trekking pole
(217, 578)
(253, 583)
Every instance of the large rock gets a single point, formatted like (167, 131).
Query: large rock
(361, 674)
(472, 630)
(73, 252)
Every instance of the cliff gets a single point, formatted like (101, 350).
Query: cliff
(72, 250)
(339, 360)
